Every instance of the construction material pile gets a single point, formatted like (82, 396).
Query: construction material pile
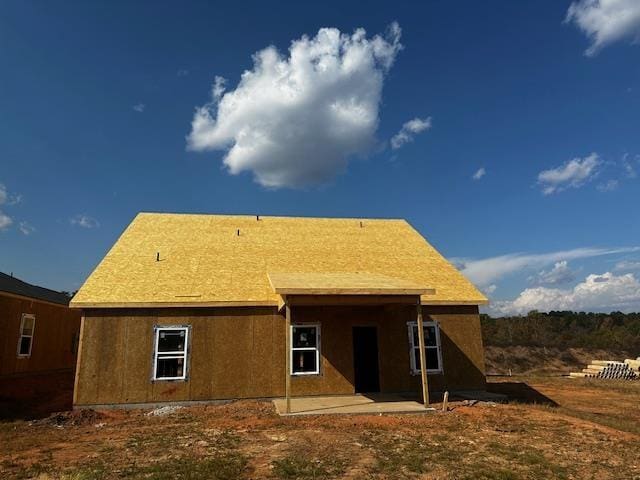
(611, 369)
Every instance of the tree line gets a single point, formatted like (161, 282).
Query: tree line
(565, 329)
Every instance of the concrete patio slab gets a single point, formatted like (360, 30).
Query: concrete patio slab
(350, 405)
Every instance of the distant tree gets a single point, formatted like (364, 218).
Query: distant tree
(565, 329)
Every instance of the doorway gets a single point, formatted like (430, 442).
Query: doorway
(365, 359)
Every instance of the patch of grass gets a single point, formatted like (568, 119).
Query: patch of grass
(623, 422)
(530, 458)
(35, 470)
(396, 455)
(223, 466)
(299, 467)
(492, 474)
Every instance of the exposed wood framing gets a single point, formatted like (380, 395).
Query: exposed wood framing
(423, 360)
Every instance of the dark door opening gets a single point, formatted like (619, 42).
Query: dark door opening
(365, 359)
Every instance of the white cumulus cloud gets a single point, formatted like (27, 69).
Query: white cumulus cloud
(409, 130)
(297, 119)
(84, 221)
(604, 293)
(571, 174)
(605, 21)
(139, 107)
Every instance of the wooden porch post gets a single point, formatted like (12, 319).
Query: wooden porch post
(287, 362)
(423, 360)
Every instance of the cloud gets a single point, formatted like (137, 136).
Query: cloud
(8, 199)
(182, 72)
(489, 289)
(297, 119)
(605, 293)
(558, 275)
(84, 221)
(5, 221)
(481, 172)
(627, 166)
(627, 265)
(608, 186)
(409, 130)
(218, 88)
(571, 174)
(139, 107)
(486, 271)
(605, 21)
(26, 228)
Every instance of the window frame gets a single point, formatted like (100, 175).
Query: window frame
(31, 316)
(171, 355)
(316, 348)
(438, 346)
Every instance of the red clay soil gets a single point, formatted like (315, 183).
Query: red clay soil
(584, 431)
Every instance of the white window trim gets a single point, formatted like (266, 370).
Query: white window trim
(414, 368)
(316, 348)
(21, 335)
(170, 355)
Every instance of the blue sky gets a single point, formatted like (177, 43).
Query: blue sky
(97, 102)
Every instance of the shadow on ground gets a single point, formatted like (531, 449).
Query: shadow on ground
(35, 396)
(521, 392)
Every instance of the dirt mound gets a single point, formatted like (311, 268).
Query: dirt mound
(73, 418)
(521, 360)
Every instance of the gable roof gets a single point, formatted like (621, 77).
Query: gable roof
(14, 286)
(226, 259)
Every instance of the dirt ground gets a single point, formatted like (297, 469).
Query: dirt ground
(553, 428)
(523, 360)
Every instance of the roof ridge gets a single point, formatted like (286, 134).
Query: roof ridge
(262, 216)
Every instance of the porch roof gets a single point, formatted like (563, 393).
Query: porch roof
(350, 283)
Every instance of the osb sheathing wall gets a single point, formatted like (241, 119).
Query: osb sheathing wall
(239, 352)
(52, 347)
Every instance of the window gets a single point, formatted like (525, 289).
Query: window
(305, 349)
(25, 341)
(432, 350)
(170, 353)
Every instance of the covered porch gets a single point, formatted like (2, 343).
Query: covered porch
(355, 293)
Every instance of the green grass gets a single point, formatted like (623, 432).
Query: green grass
(400, 456)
